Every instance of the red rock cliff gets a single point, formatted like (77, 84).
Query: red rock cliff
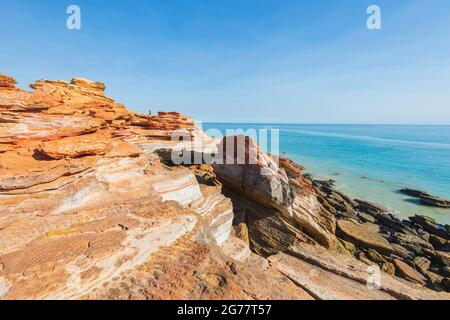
(89, 211)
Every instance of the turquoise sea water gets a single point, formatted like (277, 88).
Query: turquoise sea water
(371, 162)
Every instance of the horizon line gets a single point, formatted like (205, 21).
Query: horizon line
(326, 123)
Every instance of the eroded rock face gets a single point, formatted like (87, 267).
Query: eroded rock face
(6, 82)
(89, 210)
(81, 206)
(277, 185)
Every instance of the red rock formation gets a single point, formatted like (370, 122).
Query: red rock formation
(275, 184)
(89, 211)
(6, 82)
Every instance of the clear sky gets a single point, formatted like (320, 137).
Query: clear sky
(270, 61)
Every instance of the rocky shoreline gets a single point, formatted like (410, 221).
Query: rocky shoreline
(417, 249)
(92, 206)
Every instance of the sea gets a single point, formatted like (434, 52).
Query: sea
(368, 162)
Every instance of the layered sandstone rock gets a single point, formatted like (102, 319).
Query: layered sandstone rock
(6, 82)
(79, 205)
(91, 208)
(276, 185)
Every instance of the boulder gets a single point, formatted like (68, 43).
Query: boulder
(413, 192)
(422, 263)
(370, 208)
(445, 283)
(426, 198)
(411, 242)
(375, 256)
(388, 267)
(276, 184)
(443, 258)
(364, 217)
(430, 225)
(434, 280)
(318, 264)
(401, 252)
(439, 243)
(391, 221)
(408, 273)
(364, 235)
(85, 196)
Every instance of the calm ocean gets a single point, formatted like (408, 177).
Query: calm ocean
(371, 162)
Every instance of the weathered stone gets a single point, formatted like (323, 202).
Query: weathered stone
(389, 220)
(240, 226)
(350, 247)
(443, 258)
(361, 256)
(375, 256)
(7, 82)
(364, 217)
(388, 267)
(446, 271)
(349, 268)
(445, 283)
(364, 235)
(430, 225)
(407, 272)
(433, 279)
(237, 249)
(256, 175)
(322, 283)
(77, 198)
(422, 263)
(427, 198)
(439, 243)
(411, 242)
(370, 207)
(401, 252)
(74, 147)
(424, 235)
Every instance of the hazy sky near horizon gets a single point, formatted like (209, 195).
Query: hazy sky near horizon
(269, 61)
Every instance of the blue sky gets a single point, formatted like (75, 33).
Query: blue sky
(244, 60)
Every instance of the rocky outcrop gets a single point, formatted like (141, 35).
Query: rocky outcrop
(414, 250)
(366, 235)
(325, 274)
(91, 207)
(426, 198)
(6, 82)
(275, 191)
(429, 225)
(82, 208)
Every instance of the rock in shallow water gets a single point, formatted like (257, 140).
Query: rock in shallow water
(426, 198)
